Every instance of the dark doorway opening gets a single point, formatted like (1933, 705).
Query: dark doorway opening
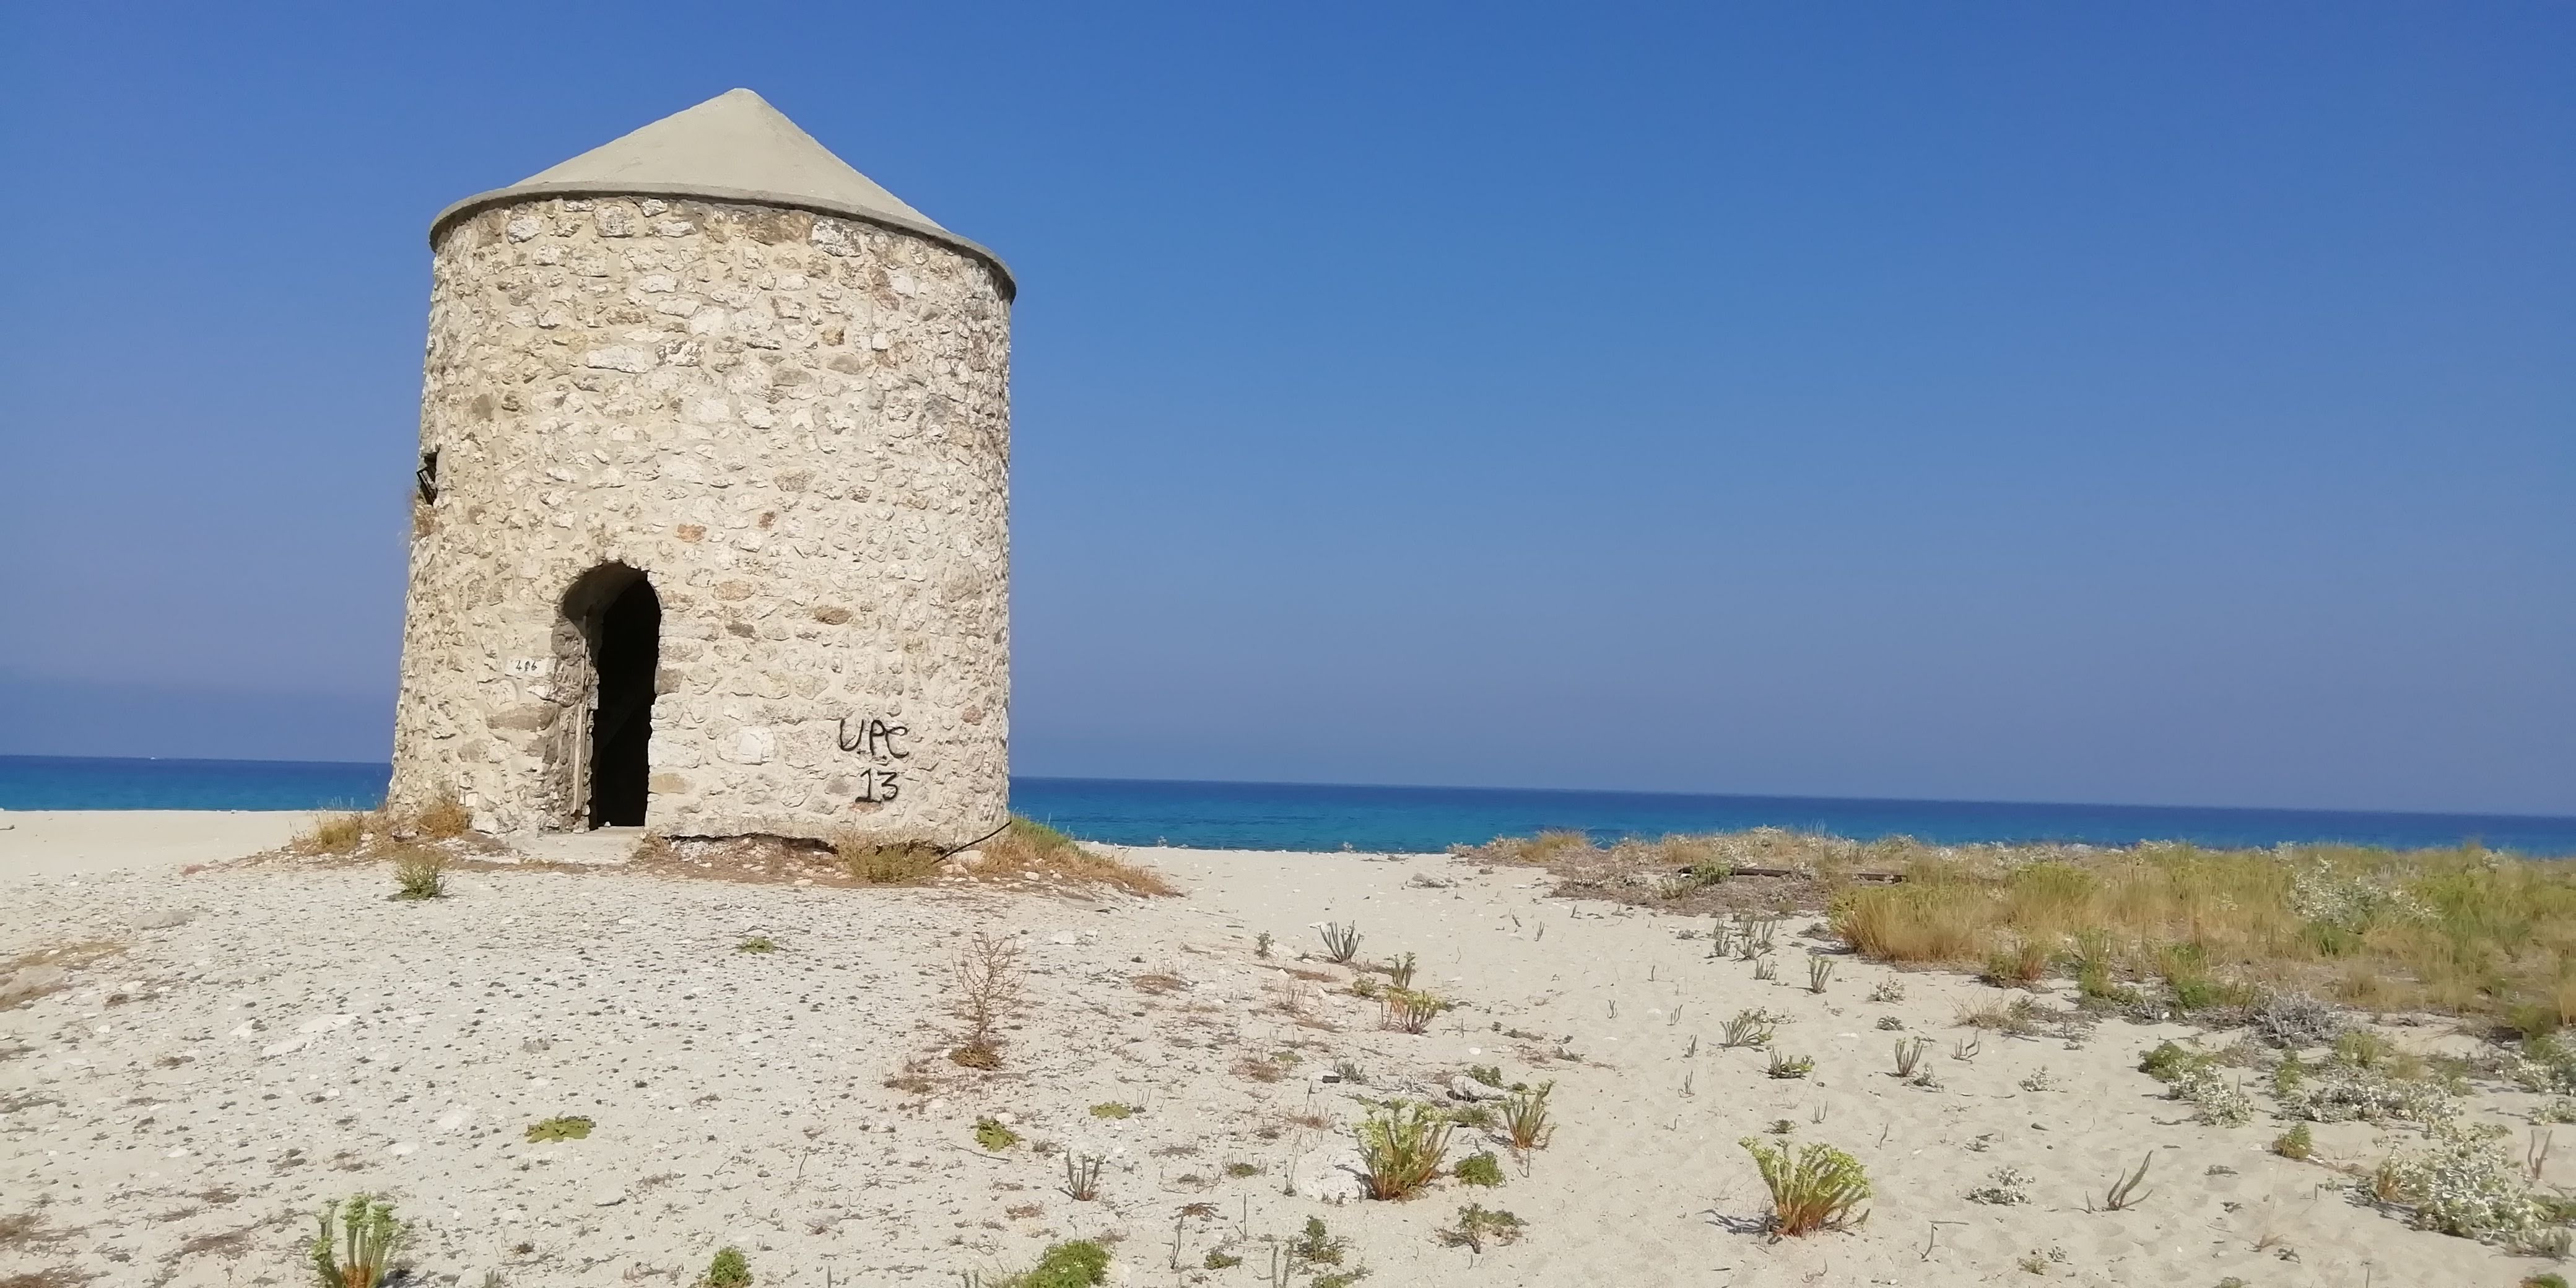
(626, 649)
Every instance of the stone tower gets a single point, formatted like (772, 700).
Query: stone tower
(711, 528)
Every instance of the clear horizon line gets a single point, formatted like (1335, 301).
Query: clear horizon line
(1543, 791)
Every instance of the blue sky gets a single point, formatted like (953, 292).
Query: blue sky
(2143, 403)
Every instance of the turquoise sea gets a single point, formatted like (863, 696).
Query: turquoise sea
(1315, 816)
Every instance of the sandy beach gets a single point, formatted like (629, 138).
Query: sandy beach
(226, 1048)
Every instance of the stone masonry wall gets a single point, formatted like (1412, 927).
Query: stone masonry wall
(798, 428)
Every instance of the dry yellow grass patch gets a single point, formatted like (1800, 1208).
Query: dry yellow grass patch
(1028, 848)
(442, 819)
(331, 834)
(2462, 930)
(872, 862)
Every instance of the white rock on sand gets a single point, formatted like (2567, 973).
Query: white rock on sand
(274, 1036)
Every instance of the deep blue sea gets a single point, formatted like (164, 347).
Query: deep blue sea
(1304, 816)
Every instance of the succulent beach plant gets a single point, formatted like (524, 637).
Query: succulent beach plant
(356, 1243)
(1813, 1187)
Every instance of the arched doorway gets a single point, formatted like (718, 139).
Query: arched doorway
(628, 647)
(618, 622)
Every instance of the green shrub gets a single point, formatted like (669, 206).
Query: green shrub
(2464, 1182)
(420, 873)
(1076, 1264)
(2215, 1097)
(992, 1135)
(559, 1129)
(1113, 1109)
(2168, 1062)
(1479, 1168)
(2297, 1142)
(728, 1270)
(757, 944)
(1316, 1246)
(2370, 1095)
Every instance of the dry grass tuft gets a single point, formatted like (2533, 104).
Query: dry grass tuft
(873, 862)
(1030, 849)
(1259, 1069)
(331, 834)
(444, 818)
(986, 978)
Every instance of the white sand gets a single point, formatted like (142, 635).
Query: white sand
(299, 1036)
(50, 843)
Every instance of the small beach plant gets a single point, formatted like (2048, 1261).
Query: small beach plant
(1479, 1168)
(1082, 1177)
(1747, 1029)
(1314, 1246)
(1080, 1263)
(1789, 1066)
(356, 1244)
(993, 1136)
(1909, 1054)
(2296, 1143)
(420, 873)
(728, 1269)
(1402, 1147)
(1767, 968)
(1478, 1225)
(1527, 1121)
(1813, 1187)
(1408, 1010)
(1820, 972)
(2004, 1187)
(1341, 943)
(567, 1128)
(2124, 1190)
(1399, 971)
(984, 982)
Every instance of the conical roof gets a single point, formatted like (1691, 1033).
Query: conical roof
(733, 147)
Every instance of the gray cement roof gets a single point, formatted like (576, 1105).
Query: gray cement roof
(733, 147)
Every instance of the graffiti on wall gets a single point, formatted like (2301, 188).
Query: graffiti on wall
(882, 745)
